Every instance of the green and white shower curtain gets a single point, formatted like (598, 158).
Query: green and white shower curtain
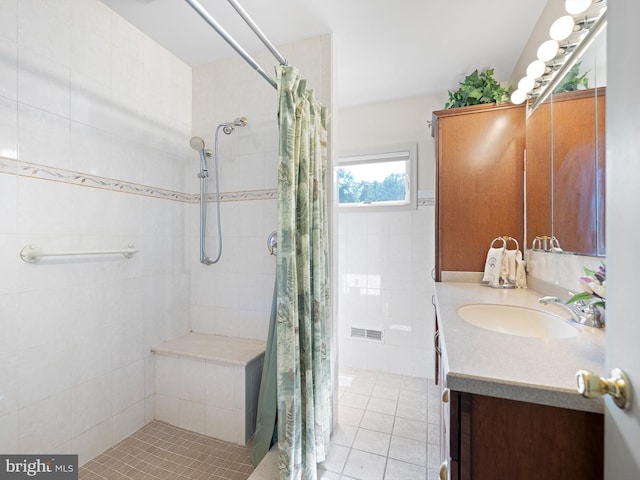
(302, 282)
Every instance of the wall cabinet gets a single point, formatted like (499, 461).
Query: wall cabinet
(492, 438)
(565, 142)
(479, 182)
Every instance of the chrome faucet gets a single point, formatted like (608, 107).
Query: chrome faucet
(583, 313)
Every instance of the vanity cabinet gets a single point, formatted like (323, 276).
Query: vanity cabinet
(510, 408)
(479, 182)
(491, 438)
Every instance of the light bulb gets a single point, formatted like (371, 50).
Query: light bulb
(526, 83)
(518, 96)
(562, 28)
(576, 7)
(536, 69)
(548, 50)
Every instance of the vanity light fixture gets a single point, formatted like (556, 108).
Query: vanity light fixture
(576, 7)
(526, 84)
(562, 28)
(548, 50)
(518, 96)
(567, 63)
(536, 69)
(555, 58)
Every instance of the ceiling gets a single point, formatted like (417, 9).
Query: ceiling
(383, 49)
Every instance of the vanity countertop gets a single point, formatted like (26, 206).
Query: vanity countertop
(535, 370)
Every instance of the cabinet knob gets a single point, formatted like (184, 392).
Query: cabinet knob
(445, 395)
(443, 471)
(591, 385)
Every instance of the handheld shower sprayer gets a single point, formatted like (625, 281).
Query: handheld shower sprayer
(197, 144)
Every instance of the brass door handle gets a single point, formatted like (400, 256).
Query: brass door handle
(591, 385)
(443, 471)
(445, 395)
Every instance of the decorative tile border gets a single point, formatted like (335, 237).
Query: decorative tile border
(240, 196)
(33, 170)
(426, 198)
(8, 165)
(43, 172)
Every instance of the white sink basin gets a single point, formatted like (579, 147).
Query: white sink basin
(516, 320)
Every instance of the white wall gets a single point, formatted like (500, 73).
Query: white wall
(233, 297)
(94, 124)
(385, 258)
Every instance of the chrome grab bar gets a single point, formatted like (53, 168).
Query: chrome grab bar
(31, 253)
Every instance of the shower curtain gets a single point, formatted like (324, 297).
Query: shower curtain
(304, 393)
(295, 404)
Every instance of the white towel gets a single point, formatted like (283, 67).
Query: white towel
(493, 267)
(521, 273)
(508, 274)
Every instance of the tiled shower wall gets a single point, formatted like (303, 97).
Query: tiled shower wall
(94, 125)
(233, 297)
(91, 113)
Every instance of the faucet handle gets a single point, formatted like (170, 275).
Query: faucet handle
(549, 299)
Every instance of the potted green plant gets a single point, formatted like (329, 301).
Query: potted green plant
(477, 88)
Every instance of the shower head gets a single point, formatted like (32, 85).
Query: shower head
(240, 122)
(196, 143)
(231, 126)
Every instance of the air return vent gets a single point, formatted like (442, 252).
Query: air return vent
(370, 334)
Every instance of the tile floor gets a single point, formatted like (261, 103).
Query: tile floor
(388, 430)
(159, 451)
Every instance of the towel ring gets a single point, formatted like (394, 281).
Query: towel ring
(546, 243)
(505, 240)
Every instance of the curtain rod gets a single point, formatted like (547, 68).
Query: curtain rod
(235, 45)
(263, 38)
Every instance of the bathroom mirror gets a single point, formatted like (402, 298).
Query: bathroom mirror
(565, 159)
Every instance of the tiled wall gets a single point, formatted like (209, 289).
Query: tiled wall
(94, 126)
(385, 258)
(562, 270)
(91, 113)
(385, 283)
(233, 297)
(211, 397)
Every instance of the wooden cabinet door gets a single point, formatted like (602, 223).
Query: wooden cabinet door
(479, 182)
(500, 438)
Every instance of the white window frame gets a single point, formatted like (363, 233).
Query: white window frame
(407, 152)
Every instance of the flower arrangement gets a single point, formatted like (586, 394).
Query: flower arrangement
(594, 286)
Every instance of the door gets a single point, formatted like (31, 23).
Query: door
(622, 427)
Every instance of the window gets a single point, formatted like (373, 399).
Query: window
(384, 178)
